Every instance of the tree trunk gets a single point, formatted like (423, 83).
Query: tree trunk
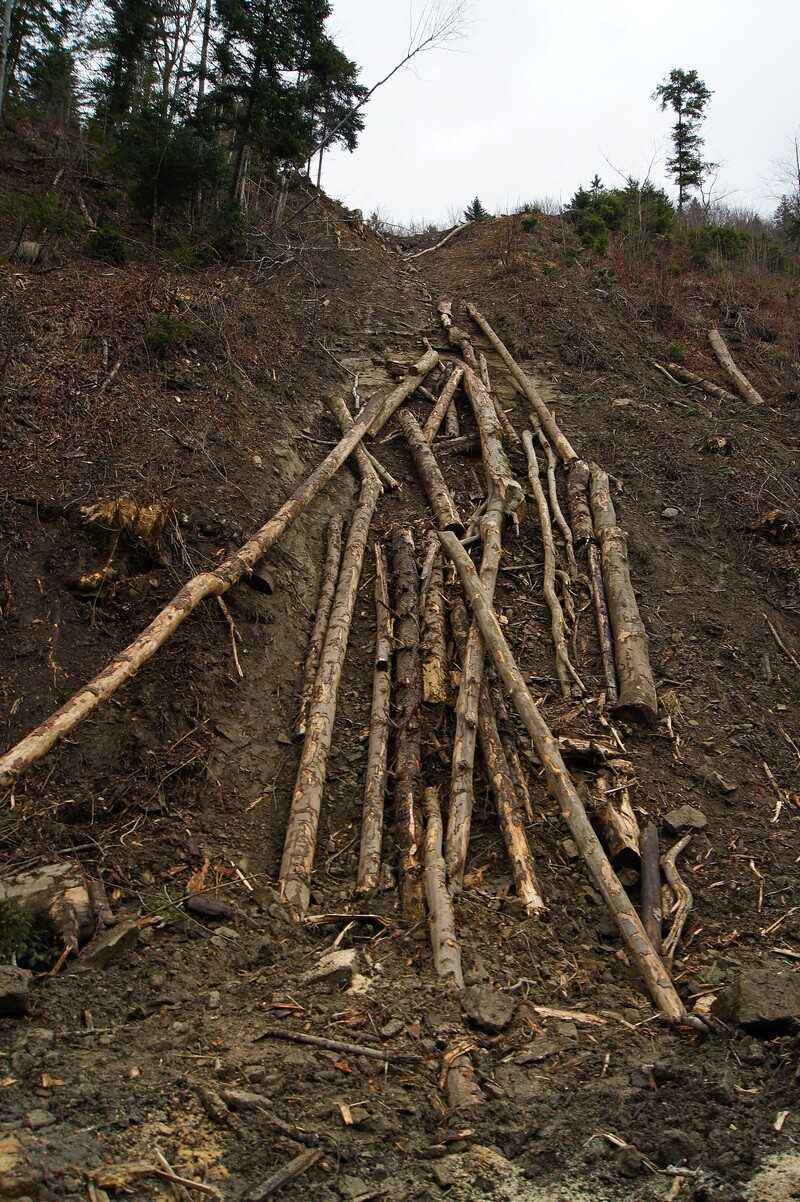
(301, 830)
(583, 534)
(637, 691)
(652, 914)
(617, 823)
(437, 414)
(444, 941)
(344, 417)
(330, 575)
(743, 385)
(207, 584)
(684, 376)
(563, 790)
(444, 511)
(369, 863)
(435, 676)
(404, 390)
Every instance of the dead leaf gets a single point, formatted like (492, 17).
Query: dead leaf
(342, 1066)
(347, 1114)
(197, 881)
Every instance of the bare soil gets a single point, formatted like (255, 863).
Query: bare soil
(191, 763)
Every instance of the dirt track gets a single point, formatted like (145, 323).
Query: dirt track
(191, 762)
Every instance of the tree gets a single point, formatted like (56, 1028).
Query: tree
(686, 94)
(475, 211)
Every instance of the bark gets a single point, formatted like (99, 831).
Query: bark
(562, 789)
(637, 691)
(207, 584)
(330, 574)
(740, 380)
(617, 822)
(403, 391)
(444, 941)
(441, 502)
(369, 863)
(508, 740)
(452, 427)
(435, 675)
(508, 430)
(338, 407)
(301, 832)
(652, 915)
(567, 676)
(437, 414)
(558, 440)
(408, 758)
(689, 377)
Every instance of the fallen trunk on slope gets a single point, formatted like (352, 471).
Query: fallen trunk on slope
(583, 535)
(563, 790)
(652, 912)
(617, 822)
(743, 385)
(330, 574)
(444, 941)
(207, 584)
(441, 502)
(435, 676)
(403, 391)
(344, 417)
(684, 376)
(439, 411)
(369, 862)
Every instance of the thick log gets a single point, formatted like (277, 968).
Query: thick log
(338, 407)
(330, 574)
(684, 376)
(59, 895)
(301, 831)
(408, 698)
(207, 584)
(444, 941)
(637, 691)
(369, 862)
(439, 411)
(562, 789)
(617, 822)
(652, 914)
(740, 380)
(444, 511)
(568, 678)
(556, 437)
(435, 676)
(403, 391)
(508, 430)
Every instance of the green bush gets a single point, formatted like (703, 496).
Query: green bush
(637, 214)
(166, 334)
(44, 215)
(530, 221)
(25, 939)
(108, 245)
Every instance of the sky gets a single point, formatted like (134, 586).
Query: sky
(536, 97)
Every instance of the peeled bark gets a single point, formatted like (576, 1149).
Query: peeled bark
(564, 792)
(330, 574)
(408, 758)
(301, 831)
(637, 691)
(557, 438)
(369, 863)
(435, 676)
(439, 411)
(441, 502)
(652, 914)
(207, 584)
(444, 941)
(403, 391)
(617, 822)
(740, 380)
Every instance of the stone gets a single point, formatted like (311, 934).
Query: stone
(37, 1119)
(670, 512)
(335, 967)
(392, 1028)
(677, 1147)
(113, 944)
(686, 818)
(489, 1009)
(15, 990)
(352, 1187)
(761, 1001)
(629, 1161)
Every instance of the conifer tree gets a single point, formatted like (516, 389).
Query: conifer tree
(686, 94)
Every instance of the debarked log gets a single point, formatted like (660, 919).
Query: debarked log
(439, 411)
(617, 822)
(743, 385)
(444, 511)
(369, 862)
(563, 790)
(435, 674)
(583, 535)
(444, 941)
(684, 376)
(330, 574)
(403, 391)
(338, 407)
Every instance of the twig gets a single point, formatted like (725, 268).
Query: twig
(781, 643)
(234, 633)
(337, 1045)
(290, 1171)
(779, 793)
(682, 893)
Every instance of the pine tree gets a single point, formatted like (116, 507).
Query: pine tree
(475, 211)
(686, 94)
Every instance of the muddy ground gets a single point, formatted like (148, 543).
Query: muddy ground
(585, 1093)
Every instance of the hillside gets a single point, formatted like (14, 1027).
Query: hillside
(200, 393)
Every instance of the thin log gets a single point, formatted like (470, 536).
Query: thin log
(457, 1077)
(444, 941)
(439, 411)
(555, 504)
(452, 427)
(330, 574)
(207, 584)
(408, 758)
(557, 438)
(637, 691)
(369, 862)
(339, 1045)
(508, 430)
(403, 390)
(562, 789)
(510, 809)
(295, 1168)
(567, 676)
(682, 894)
(508, 739)
(684, 376)
(338, 407)
(617, 821)
(460, 445)
(435, 676)
(652, 914)
(740, 380)
(444, 511)
(301, 831)
(417, 254)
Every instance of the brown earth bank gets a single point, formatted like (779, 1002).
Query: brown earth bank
(176, 1050)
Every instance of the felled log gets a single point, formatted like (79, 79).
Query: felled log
(59, 896)
(568, 678)
(301, 831)
(435, 676)
(564, 792)
(438, 494)
(408, 698)
(369, 862)
(508, 739)
(617, 822)
(740, 380)
(652, 914)
(444, 941)
(684, 376)
(208, 584)
(452, 427)
(439, 411)
(556, 436)
(509, 432)
(330, 574)
(457, 1078)
(417, 254)
(555, 504)
(338, 407)
(583, 534)
(637, 691)
(403, 391)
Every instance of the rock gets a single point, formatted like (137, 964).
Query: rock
(761, 1001)
(110, 945)
(487, 1007)
(670, 512)
(352, 1187)
(15, 990)
(336, 967)
(686, 818)
(677, 1147)
(392, 1028)
(629, 1161)
(570, 849)
(36, 1119)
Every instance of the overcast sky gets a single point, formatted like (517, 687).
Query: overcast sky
(536, 96)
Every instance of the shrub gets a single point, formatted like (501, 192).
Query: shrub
(166, 334)
(475, 211)
(530, 221)
(108, 245)
(639, 214)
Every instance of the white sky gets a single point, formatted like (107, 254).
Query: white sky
(529, 101)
